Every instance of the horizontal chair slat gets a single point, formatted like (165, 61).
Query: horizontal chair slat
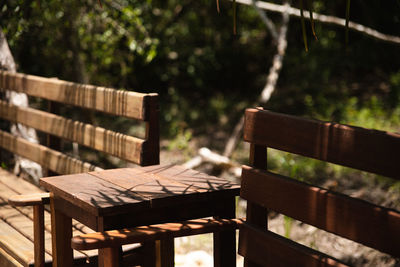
(48, 158)
(358, 220)
(116, 144)
(269, 249)
(340, 144)
(87, 96)
(138, 234)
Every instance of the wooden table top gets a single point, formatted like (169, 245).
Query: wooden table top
(134, 189)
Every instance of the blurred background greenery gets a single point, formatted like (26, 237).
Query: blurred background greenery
(185, 51)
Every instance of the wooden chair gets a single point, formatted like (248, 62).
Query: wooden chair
(142, 151)
(355, 219)
(368, 150)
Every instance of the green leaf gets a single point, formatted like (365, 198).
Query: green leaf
(312, 20)
(347, 21)
(303, 26)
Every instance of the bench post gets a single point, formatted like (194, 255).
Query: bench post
(255, 214)
(38, 234)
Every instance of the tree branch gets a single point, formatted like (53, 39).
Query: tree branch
(326, 19)
(270, 85)
(18, 99)
(270, 25)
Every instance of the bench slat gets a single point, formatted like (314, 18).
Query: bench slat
(116, 144)
(21, 217)
(348, 217)
(11, 239)
(340, 144)
(269, 249)
(6, 260)
(48, 158)
(117, 102)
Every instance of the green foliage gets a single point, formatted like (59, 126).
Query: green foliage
(3, 166)
(287, 224)
(181, 142)
(185, 51)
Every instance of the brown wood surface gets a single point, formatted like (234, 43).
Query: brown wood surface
(358, 220)
(119, 190)
(256, 214)
(10, 239)
(21, 220)
(29, 200)
(48, 158)
(166, 250)
(225, 240)
(117, 102)
(151, 148)
(38, 235)
(112, 257)
(369, 150)
(116, 238)
(61, 230)
(114, 143)
(93, 194)
(6, 260)
(265, 248)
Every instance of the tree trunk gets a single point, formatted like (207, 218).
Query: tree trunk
(7, 62)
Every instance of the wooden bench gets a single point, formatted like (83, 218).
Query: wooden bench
(25, 237)
(355, 219)
(368, 150)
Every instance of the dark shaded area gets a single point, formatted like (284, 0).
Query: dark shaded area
(205, 75)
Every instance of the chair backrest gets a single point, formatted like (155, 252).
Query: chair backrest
(367, 150)
(139, 106)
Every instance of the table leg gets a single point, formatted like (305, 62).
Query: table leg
(111, 257)
(61, 234)
(225, 241)
(149, 254)
(166, 252)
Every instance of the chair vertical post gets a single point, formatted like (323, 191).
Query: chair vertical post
(38, 234)
(255, 214)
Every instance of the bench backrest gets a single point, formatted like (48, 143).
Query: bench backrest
(367, 150)
(139, 106)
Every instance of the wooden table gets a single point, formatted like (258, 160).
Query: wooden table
(119, 198)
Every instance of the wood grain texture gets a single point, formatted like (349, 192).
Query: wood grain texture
(114, 143)
(116, 238)
(167, 252)
(29, 200)
(6, 260)
(38, 235)
(117, 102)
(136, 189)
(256, 214)
(265, 248)
(225, 240)
(94, 195)
(151, 148)
(369, 150)
(358, 220)
(21, 220)
(48, 158)
(61, 231)
(111, 257)
(10, 239)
